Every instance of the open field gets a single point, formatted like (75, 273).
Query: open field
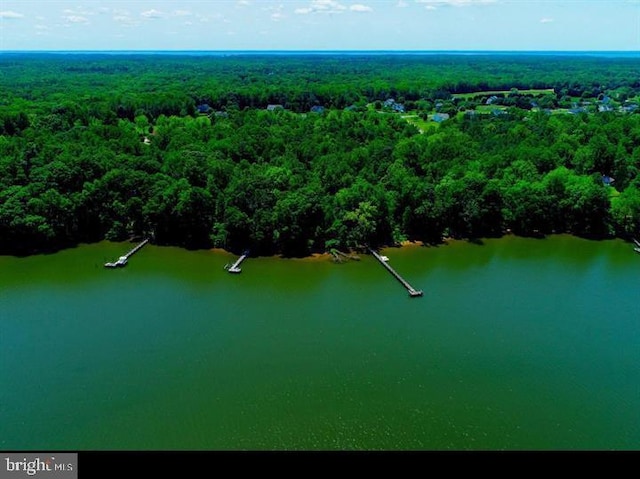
(468, 96)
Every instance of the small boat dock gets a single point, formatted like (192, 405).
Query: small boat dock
(123, 260)
(384, 261)
(235, 267)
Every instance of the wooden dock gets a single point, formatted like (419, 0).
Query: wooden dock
(384, 262)
(123, 260)
(235, 267)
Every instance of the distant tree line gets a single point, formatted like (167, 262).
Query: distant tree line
(95, 147)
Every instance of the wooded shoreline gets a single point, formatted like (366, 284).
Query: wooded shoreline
(297, 155)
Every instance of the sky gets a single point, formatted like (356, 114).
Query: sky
(320, 25)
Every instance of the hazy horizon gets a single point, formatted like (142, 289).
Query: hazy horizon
(336, 52)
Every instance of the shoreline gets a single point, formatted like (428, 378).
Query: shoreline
(327, 256)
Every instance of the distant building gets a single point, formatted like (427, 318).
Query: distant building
(393, 105)
(440, 117)
(607, 180)
(204, 108)
(274, 107)
(491, 100)
(317, 109)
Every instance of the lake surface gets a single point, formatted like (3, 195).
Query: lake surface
(517, 344)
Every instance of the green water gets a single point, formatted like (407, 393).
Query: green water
(517, 344)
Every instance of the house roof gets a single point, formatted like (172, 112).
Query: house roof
(607, 180)
(438, 117)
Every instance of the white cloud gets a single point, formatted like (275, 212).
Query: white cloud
(243, 3)
(182, 13)
(402, 4)
(546, 20)
(276, 12)
(9, 14)
(79, 11)
(322, 6)
(431, 4)
(75, 19)
(153, 13)
(358, 7)
(124, 18)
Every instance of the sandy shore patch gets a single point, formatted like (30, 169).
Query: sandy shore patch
(313, 258)
(411, 243)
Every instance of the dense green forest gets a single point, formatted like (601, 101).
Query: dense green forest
(300, 153)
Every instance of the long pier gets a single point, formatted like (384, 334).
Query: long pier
(122, 260)
(235, 267)
(412, 291)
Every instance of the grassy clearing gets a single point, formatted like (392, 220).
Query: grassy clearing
(468, 96)
(419, 123)
(489, 108)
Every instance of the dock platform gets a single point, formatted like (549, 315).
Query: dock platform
(235, 267)
(123, 260)
(384, 261)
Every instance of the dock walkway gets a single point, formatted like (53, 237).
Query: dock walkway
(384, 262)
(122, 260)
